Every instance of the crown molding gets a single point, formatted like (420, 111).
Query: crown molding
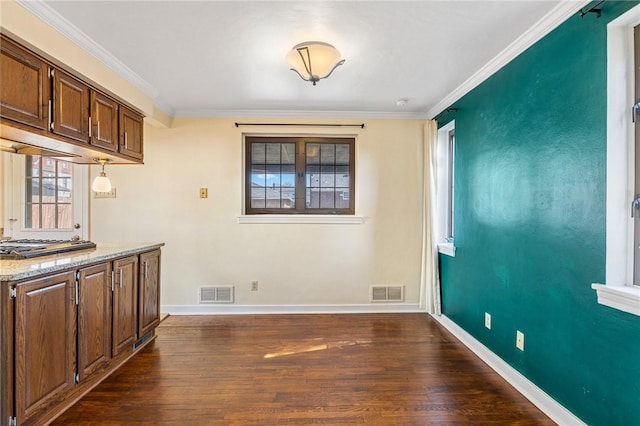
(544, 26)
(52, 18)
(372, 115)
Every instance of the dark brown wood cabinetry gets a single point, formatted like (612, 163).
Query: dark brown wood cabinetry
(125, 308)
(46, 106)
(45, 355)
(131, 125)
(61, 334)
(149, 292)
(70, 107)
(104, 121)
(24, 79)
(94, 319)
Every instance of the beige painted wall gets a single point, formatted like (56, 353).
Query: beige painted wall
(328, 264)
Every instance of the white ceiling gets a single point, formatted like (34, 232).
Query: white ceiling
(221, 58)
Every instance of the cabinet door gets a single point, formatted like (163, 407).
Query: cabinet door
(104, 121)
(94, 318)
(124, 303)
(45, 356)
(149, 292)
(25, 93)
(131, 124)
(70, 107)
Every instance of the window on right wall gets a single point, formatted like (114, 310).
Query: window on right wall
(622, 282)
(445, 161)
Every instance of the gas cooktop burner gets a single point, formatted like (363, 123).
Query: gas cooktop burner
(25, 249)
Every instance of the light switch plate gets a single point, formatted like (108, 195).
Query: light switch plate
(204, 192)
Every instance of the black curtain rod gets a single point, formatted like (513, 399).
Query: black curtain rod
(446, 111)
(300, 125)
(592, 9)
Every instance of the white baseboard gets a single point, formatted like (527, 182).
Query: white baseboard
(219, 309)
(537, 396)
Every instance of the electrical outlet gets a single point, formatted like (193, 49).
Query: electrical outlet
(108, 194)
(204, 192)
(520, 340)
(487, 320)
(254, 285)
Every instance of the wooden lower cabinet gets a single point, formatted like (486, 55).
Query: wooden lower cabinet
(149, 292)
(125, 307)
(62, 334)
(45, 334)
(94, 319)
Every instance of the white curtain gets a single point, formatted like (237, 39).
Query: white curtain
(430, 282)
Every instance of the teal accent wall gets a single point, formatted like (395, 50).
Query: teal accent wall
(530, 190)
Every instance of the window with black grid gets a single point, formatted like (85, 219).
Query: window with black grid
(299, 175)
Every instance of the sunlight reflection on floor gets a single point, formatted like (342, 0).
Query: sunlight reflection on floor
(297, 349)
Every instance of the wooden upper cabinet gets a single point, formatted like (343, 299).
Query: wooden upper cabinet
(70, 107)
(24, 80)
(94, 318)
(131, 125)
(43, 104)
(45, 344)
(104, 121)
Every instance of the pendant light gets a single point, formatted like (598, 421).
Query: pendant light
(101, 183)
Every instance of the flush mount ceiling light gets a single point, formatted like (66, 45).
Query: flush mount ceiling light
(314, 60)
(101, 183)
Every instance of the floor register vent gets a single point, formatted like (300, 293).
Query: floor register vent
(391, 293)
(217, 294)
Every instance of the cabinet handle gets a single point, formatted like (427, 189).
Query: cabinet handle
(126, 140)
(98, 124)
(121, 277)
(146, 269)
(89, 126)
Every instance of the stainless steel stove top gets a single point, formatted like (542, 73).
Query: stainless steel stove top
(26, 249)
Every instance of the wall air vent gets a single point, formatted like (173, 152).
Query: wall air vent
(217, 294)
(391, 293)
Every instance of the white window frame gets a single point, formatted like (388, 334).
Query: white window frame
(618, 290)
(445, 177)
(14, 202)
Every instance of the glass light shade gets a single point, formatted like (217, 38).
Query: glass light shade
(314, 60)
(101, 183)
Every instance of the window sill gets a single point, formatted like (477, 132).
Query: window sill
(447, 248)
(624, 298)
(301, 218)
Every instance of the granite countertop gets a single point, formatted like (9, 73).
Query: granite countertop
(12, 270)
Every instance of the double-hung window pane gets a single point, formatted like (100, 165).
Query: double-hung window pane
(273, 175)
(299, 175)
(328, 176)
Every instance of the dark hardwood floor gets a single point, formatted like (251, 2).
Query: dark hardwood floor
(382, 369)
